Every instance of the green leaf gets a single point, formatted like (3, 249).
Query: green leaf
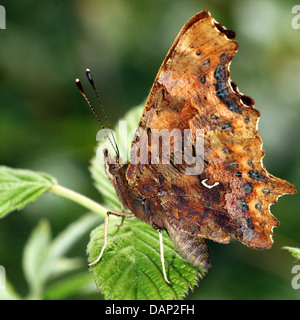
(68, 237)
(19, 187)
(35, 253)
(79, 284)
(9, 293)
(131, 269)
(44, 258)
(295, 252)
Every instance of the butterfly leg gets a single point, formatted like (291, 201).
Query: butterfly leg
(124, 215)
(162, 257)
(121, 223)
(120, 214)
(105, 240)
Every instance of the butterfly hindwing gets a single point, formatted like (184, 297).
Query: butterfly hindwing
(193, 91)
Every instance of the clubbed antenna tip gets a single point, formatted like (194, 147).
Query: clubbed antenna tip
(80, 88)
(90, 78)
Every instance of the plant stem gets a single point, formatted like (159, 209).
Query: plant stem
(79, 198)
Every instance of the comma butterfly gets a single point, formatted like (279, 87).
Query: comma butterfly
(231, 195)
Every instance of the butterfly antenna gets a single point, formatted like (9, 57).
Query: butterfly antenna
(91, 81)
(80, 88)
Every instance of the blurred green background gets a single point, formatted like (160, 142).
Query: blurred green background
(45, 124)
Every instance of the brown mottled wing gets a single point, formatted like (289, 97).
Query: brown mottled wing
(193, 90)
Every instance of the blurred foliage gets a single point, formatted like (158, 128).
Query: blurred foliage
(295, 252)
(45, 124)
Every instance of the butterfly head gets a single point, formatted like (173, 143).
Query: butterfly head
(116, 173)
(112, 165)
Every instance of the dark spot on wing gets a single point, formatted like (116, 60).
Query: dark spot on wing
(206, 63)
(249, 223)
(256, 175)
(203, 79)
(258, 206)
(248, 187)
(244, 205)
(267, 191)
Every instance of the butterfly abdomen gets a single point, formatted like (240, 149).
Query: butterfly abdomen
(193, 249)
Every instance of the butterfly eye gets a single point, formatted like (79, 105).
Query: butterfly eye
(198, 53)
